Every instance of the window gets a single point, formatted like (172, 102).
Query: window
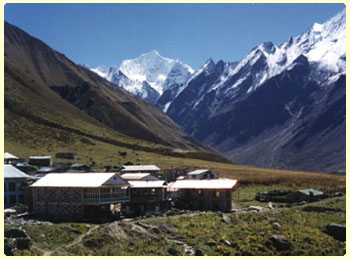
(13, 199)
(5, 189)
(5, 201)
(12, 187)
(216, 194)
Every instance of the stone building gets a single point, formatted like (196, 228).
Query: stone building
(85, 196)
(213, 194)
(147, 197)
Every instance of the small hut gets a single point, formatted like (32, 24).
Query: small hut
(40, 160)
(202, 174)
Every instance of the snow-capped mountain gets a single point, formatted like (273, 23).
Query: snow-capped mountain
(147, 76)
(324, 45)
(262, 101)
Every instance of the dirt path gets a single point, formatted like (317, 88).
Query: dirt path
(74, 242)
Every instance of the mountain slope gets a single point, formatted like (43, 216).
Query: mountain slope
(147, 76)
(266, 110)
(43, 86)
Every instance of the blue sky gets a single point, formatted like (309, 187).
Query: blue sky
(106, 34)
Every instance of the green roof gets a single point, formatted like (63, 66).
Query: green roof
(313, 191)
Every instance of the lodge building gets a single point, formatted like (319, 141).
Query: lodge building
(78, 195)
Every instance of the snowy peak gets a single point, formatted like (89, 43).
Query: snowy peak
(150, 69)
(154, 69)
(324, 45)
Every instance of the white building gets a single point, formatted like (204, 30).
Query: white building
(152, 169)
(202, 174)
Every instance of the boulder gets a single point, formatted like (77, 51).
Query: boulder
(173, 251)
(335, 230)
(280, 242)
(9, 246)
(308, 239)
(178, 242)
(155, 230)
(252, 208)
(143, 225)
(276, 225)
(226, 219)
(23, 243)
(212, 243)
(226, 242)
(16, 233)
(166, 229)
(198, 252)
(270, 205)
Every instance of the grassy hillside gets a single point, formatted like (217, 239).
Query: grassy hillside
(24, 137)
(41, 82)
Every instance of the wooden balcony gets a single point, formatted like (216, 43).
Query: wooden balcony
(104, 196)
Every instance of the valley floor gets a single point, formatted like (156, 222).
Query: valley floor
(242, 232)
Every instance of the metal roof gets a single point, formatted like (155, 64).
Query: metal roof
(12, 172)
(139, 176)
(313, 191)
(148, 184)
(134, 176)
(222, 183)
(80, 180)
(139, 168)
(7, 155)
(40, 157)
(198, 171)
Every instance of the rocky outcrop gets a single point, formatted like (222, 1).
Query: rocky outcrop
(335, 230)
